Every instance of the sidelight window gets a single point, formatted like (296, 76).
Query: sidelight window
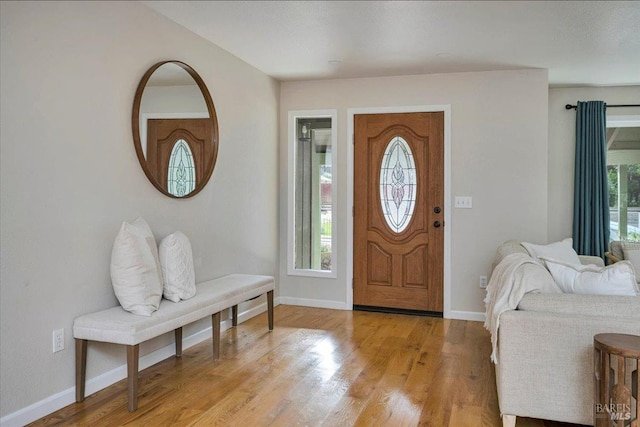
(312, 154)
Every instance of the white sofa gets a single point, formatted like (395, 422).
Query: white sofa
(545, 348)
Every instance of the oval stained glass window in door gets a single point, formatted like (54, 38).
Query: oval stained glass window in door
(398, 184)
(182, 172)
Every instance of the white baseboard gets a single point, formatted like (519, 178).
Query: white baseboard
(317, 303)
(66, 397)
(465, 315)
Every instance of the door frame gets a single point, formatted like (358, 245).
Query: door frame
(446, 109)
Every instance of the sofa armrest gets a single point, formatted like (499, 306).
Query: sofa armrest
(588, 259)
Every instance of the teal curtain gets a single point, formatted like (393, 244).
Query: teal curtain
(591, 192)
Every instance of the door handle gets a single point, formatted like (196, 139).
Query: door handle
(437, 209)
(437, 224)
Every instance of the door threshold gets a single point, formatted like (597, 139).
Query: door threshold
(397, 311)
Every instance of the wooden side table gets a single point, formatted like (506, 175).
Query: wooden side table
(616, 358)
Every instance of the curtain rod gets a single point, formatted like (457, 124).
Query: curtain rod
(573, 107)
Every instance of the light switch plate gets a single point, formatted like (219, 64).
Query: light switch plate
(464, 202)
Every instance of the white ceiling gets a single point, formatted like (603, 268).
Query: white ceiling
(579, 42)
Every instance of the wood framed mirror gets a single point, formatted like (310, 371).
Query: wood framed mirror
(175, 129)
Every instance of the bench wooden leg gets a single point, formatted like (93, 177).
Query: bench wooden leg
(270, 309)
(132, 377)
(215, 326)
(234, 315)
(81, 368)
(178, 333)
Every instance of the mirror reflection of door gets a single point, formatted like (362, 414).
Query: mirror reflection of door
(176, 152)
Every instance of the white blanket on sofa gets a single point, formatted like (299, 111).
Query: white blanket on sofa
(508, 285)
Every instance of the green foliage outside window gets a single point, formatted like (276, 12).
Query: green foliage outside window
(633, 186)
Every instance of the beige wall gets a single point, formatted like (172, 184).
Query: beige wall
(499, 157)
(562, 125)
(70, 176)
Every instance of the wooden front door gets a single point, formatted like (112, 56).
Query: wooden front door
(163, 134)
(398, 211)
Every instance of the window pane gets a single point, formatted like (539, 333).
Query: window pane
(313, 194)
(397, 184)
(182, 172)
(623, 173)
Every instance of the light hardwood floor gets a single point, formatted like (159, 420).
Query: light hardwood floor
(318, 367)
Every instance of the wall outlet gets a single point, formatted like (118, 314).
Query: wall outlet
(58, 340)
(483, 282)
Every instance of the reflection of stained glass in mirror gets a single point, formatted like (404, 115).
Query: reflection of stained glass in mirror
(397, 184)
(182, 172)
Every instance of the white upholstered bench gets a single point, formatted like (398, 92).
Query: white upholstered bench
(115, 325)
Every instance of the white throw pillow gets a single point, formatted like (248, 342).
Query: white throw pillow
(176, 260)
(562, 251)
(135, 269)
(631, 252)
(615, 279)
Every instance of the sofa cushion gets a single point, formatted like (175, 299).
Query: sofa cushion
(591, 305)
(616, 279)
(590, 259)
(562, 251)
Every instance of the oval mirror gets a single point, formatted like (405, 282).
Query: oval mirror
(175, 129)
